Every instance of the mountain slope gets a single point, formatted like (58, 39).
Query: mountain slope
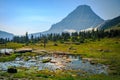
(5, 35)
(110, 23)
(81, 18)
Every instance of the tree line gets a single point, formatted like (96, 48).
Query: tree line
(79, 37)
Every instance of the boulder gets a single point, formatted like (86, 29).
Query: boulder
(12, 70)
(23, 50)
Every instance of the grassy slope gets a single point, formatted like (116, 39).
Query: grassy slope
(116, 27)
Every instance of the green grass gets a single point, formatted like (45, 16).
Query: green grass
(11, 45)
(5, 58)
(58, 75)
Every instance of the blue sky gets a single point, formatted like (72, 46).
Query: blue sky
(21, 16)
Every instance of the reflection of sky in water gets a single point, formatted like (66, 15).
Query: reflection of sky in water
(76, 63)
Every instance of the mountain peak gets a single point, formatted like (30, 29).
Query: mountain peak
(79, 19)
(83, 6)
(84, 9)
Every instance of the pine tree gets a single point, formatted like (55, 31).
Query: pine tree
(26, 38)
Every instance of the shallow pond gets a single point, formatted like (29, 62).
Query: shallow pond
(62, 62)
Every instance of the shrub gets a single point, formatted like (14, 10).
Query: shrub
(55, 44)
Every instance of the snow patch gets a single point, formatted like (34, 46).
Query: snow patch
(70, 30)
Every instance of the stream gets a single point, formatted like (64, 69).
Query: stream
(62, 62)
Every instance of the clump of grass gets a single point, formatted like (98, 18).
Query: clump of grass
(46, 60)
(42, 75)
(20, 75)
(5, 74)
(8, 57)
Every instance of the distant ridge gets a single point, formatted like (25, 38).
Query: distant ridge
(5, 35)
(110, 23)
